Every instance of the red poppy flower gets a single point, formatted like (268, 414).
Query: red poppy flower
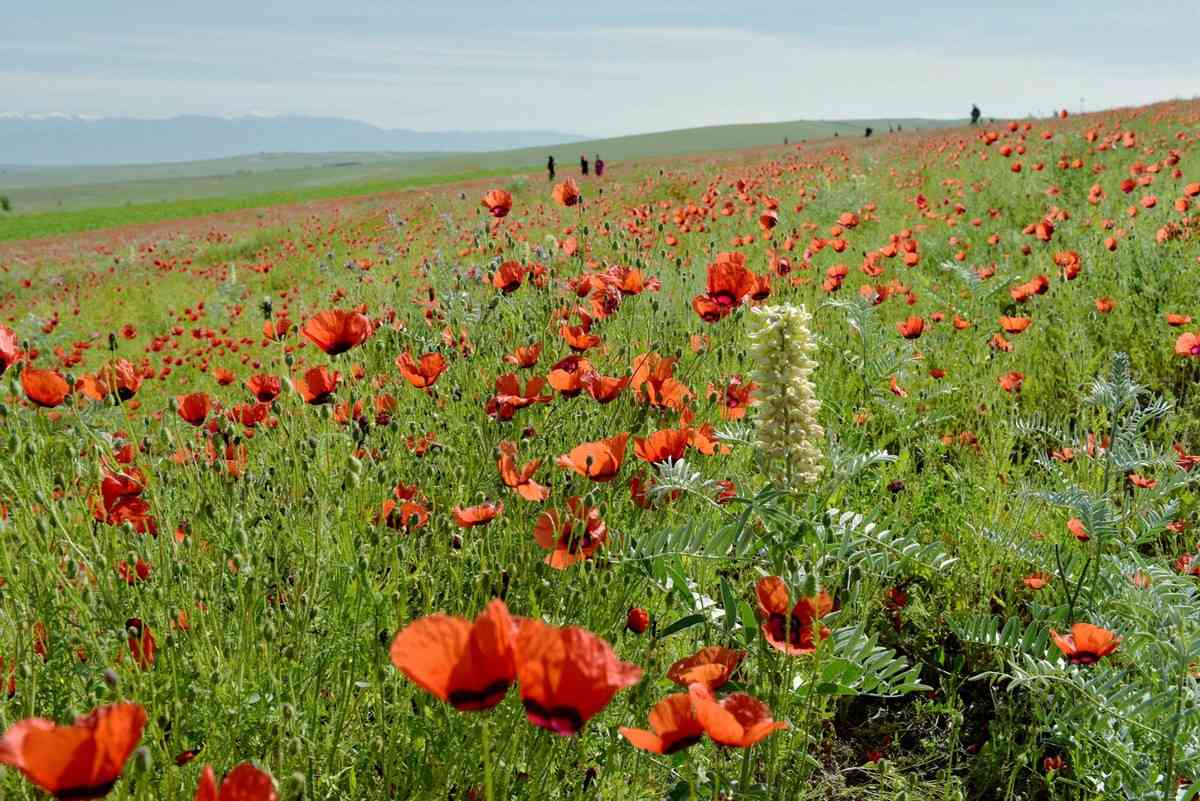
(734, 398)
(797, 632)
(911, 328)
(121, 502)
(423, 374)
(603, 389)
(578, 337)
(244, 783)
(525, 356)
(508, 277)
(480, 515)
(498, 203)
(567, 675)
(318, 385)
(729, 282)
(337, 331)
(81, 761)
(407, 515)
(1012, 382)
(468, 665)
(673, 727)
(194, 408)
(1014, 325)
(711, 666)
(1086, 644)
(142, 645)
(654, 382)
(662, 445)
(637, 619)
(599, 461)
(10, 354)
(520, 479)
(46, 388)
(1187, 345)
(122, 378)
(509, 397)
(738, 720)
(567, 375)
(566, 193)
(555, 531)
(264, 387)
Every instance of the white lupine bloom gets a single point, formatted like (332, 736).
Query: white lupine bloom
(788, 431)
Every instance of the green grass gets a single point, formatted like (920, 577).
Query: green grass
(938, 679)
(29, 226)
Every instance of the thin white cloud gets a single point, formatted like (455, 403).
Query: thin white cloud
(602, 81)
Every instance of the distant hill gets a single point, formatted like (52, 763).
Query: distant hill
(60, 140)
(34, 190)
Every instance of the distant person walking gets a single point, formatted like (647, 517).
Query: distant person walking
(583, 165)
(975, 113)
(599, 166)
(550, 167)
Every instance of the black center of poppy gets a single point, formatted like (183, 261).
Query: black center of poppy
(562, 720)
(465, 700)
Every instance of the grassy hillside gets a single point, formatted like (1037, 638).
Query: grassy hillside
(48, 201)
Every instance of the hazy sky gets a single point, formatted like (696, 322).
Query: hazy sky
(600, 68)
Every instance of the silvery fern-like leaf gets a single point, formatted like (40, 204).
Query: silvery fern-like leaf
(735, 434)
(679, 476)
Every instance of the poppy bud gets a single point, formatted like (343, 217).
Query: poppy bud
(293, 787)
(110, 678)
(637, 620)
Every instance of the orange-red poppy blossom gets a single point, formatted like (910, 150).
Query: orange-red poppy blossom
(712, 666)
(567, 675)
(520, 479)
(729, 283)
(479, 515)
(46, 388)
(600, 460)
(525, 356)
(673, 727)
(194, 408)
(555, 531)
(424, 373)
(1186, 345)
(566, 193)
(244, 783)
(80, 761)
(337, 331)
(468, 665)
(317, 385)
(1086, 644)
(793, 630)
(498, 203)
(10, 353)
(508, 277)
(738, 720)
(662, 445)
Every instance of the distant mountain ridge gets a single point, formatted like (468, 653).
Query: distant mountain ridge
(63, 140)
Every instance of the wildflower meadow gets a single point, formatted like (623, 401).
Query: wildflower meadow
(841, 469)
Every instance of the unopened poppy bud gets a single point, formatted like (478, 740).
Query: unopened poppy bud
(142, 761)
(110, 678)
(287, 712)
(293, 787)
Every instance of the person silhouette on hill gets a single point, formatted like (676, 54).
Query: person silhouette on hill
(599, 166)
(550, 167)
(975, 113)
(583, 165)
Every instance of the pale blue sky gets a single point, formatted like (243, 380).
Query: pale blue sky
(601, 68)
